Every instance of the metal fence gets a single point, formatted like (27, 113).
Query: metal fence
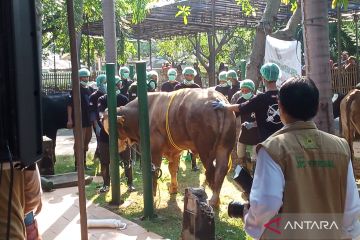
(57, 82)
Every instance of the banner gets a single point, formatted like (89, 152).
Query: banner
(286, 54)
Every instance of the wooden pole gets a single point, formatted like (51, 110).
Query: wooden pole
(79, 146)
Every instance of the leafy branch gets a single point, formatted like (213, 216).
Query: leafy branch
(184, 11)
(246, 7)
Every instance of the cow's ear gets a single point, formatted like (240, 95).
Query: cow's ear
(121, 120)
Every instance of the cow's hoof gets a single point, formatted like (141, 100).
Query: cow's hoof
(131, 188)
(173, 190)
(214, 203)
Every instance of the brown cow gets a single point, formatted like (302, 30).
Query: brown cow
(350, 122)
(193, 125)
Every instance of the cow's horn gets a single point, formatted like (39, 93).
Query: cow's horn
(121, 120)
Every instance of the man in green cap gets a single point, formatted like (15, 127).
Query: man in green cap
(189, 75)
(124, 74)
(121, 100)
(264, 105)
(232, 77)
(101, 90)
(169, 86)
(249, 135)
(86, 123)
(223, 86)
(152, 80)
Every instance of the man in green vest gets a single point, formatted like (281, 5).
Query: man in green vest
(302, 173)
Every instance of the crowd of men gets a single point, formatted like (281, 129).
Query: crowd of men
(277, 124)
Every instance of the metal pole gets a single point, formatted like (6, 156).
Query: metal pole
(138, 49)
(150, 54)
(54, 49)
(356, 19)
(145, 140)
(213, 41)
(79, 146)
(113, 146)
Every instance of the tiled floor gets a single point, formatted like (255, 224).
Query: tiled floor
(60, 219)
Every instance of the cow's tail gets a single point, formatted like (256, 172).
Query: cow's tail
(348, 122)
(210, 171)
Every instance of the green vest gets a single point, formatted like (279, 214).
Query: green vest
(315, 168)
(17, 226)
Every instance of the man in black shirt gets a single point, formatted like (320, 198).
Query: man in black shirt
(264, 105)
(94, 114)
(249, 135)
(189, 74)
(104, 147)
(223, 86)
(124, 74)
(152, 80)
(232, 77)
(169, 86)
(85, 93)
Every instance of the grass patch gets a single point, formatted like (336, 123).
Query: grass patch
(169, 208)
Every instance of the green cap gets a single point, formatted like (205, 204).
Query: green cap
(122, 70)
(247, 83)
(83, 72)
(189, 71)
(232, 74)
(223, 76)
(172, 71)
(153, 73)
(100, 80)
(270, 71)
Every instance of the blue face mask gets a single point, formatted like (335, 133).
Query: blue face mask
(126, 75)
(102, 88)
(84, 84)
(151, 85)
(247, 96)
(186, 82)
(223, 84)
(172, 77)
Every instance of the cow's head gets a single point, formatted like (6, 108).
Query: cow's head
(123, 140)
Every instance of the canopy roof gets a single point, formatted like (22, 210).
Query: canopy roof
(161, 22)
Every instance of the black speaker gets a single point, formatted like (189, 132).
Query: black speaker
(20, 110)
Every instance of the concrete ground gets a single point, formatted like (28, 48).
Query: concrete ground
(59, 218)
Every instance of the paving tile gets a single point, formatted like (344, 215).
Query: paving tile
(60, 219)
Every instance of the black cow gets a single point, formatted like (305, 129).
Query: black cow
(54, 115)
(336, 100)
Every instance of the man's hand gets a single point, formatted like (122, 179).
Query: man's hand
(246, 210)
(249, 125)
(219, 104)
